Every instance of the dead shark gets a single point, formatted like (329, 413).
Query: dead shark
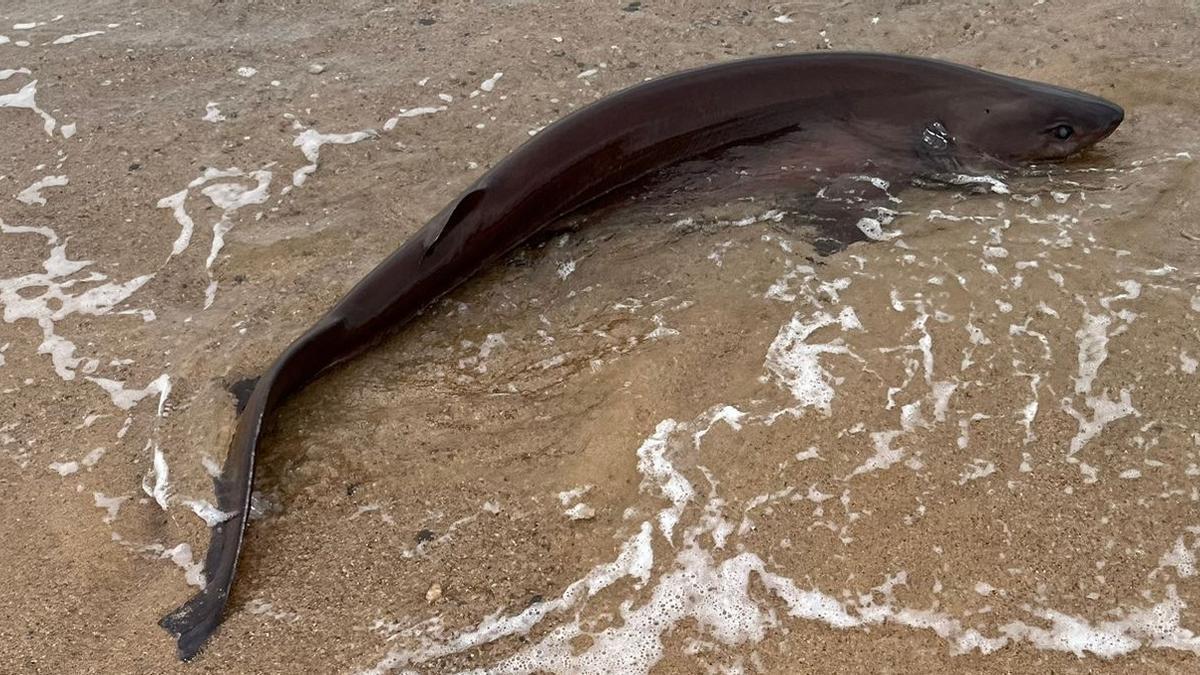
(902, 113)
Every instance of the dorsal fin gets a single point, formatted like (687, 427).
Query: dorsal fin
(452, 218)
(241, 390)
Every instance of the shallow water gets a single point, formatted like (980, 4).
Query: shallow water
(673, 438)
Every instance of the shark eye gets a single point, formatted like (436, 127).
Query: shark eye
(1062, 132)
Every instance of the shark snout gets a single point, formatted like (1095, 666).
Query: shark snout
(1115, 115)
(1105, 117)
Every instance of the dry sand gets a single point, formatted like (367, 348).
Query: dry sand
(992, 465)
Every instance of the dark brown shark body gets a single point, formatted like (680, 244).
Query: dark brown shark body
(901, 112)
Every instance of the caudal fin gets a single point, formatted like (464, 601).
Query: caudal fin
(195, 621)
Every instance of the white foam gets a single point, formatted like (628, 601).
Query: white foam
(962, 640)
(125, 398)
(1024, 329)
(247, 71)
(260, 607)
(1133, 291)
(93, 457)
(1029, 412)
(978, 468)
(992, 183)
(885, 455)
(941, 393)
(229, 197)
(1181, 558)
(64, 468)
(1156, 626)
(156, 483)
(490, 83)
(795, 363)
(567, 496)
(478, 362)
(811, 453)
(411, 112)
(56, 302)
(634, 560)
(181, 555)
(727, 414)
(211, 515)
(657, 471)
(565, 269)
(371, 508)
(68, 39)
(26, 98)
(211, 467)
(176, 202)
(781, 288)
(32, 195)
(212, 113)
(310, 141)
(872, 228)
(715, 595)
(580, 511)
(1105, 411)
(812, 605)
(212, 173)
(1093, 352)
(110, 504)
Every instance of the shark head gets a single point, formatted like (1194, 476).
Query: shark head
(1013, 120)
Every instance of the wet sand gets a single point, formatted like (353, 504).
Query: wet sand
(972, 447)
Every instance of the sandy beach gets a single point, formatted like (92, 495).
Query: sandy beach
(672, 440)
